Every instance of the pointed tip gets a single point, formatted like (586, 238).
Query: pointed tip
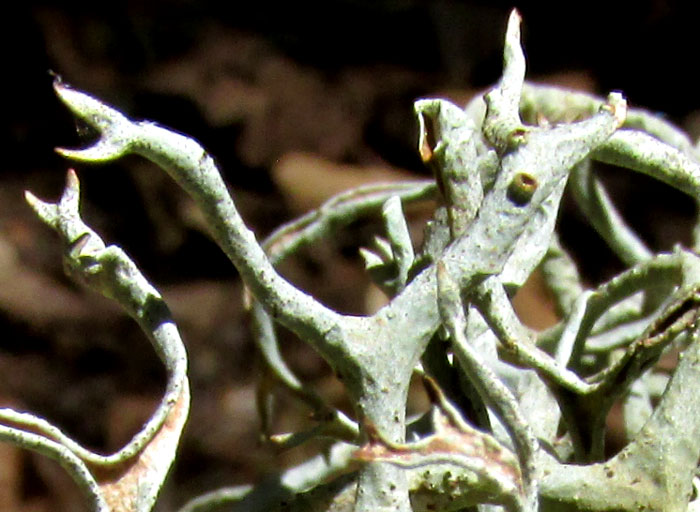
(72, 179)
(72, 184)
(58, 83)
(69, 96)
(70, 200)
(47, 212)
(503, 101)
(513, 30)
(96, 113)
(102, 151)
(513, 55)
(30, 198)
(515, 16)
(72, 154)
(57, 78)
(35, 202)
(371, 260)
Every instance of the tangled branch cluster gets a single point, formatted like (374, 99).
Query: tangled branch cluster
(518, 416)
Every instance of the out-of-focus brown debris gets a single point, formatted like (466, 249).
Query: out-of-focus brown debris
(304, 178)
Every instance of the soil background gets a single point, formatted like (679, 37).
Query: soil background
(297, 101)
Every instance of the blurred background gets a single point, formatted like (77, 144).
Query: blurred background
(297, 101)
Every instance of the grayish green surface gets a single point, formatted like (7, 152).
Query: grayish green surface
(501, 165)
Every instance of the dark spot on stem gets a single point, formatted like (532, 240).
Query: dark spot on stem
(522, 188)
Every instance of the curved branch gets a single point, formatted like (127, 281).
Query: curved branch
(195, 171)
(130, 479)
